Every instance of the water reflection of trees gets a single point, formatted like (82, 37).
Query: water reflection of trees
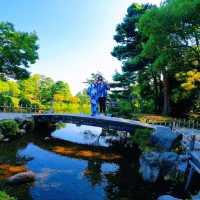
(117, 184)
(89, 135)
(93, 172)
(124, 182)
(9, 151)
(110, 137)
(121, 183)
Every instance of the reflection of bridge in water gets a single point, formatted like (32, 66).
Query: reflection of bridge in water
(79, 151)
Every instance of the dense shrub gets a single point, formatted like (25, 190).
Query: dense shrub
(4, 196)
(6, 101)
(15, 102)
(142, 139)
(24, 102)
(8, 128)
(124, 108)
(148, 106)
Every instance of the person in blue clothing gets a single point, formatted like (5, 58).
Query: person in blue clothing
(102, 88)
(92, 92)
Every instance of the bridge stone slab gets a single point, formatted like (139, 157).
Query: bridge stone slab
(101, 121)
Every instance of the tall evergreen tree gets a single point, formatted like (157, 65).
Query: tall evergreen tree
(172, 32)
(130, 42)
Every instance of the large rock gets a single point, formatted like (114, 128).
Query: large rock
(167, 197)
(23, 177)
(154, 165)
(168, 162)
(149, 166)
(182, 163)
(196, 197)
(164, 138)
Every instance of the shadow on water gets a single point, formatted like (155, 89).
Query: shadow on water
(80, 162)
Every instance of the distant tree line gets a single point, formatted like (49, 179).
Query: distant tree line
(160, 54)
(42, 93)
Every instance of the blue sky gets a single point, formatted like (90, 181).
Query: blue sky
(75, 36)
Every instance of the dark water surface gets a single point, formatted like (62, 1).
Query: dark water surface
(75, 177)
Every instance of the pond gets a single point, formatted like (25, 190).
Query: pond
(79, 163)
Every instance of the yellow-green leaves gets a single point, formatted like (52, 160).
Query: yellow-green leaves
(190, 79)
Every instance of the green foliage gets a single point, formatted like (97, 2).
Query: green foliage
(84, 102)
(62, 88)
(23, 102)
(30, 87)
(142, 137)
(18, 50)
(175, 47)
(160, 54)
(84, 98)
(36, 105)
(3, 87)
(46, 85)
(13, 89)
(42, 93)
(124, 107)
(4, 196)
(6, 100)
(135, 87)
(8, 128)
(197, 106)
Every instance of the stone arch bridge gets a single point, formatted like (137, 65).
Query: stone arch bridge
(101, 121)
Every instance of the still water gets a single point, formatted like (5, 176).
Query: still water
(69, 171)
(89, 135)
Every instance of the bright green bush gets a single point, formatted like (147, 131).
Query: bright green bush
(8, 128)
(4, 196)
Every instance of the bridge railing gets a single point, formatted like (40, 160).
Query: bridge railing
(178, 123)
(21, 109)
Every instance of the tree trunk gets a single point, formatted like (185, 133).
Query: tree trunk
(160, 94)
(166, 106)
(157, 97)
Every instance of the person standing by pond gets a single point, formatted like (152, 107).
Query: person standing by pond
(102, 88)
(92, 92)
